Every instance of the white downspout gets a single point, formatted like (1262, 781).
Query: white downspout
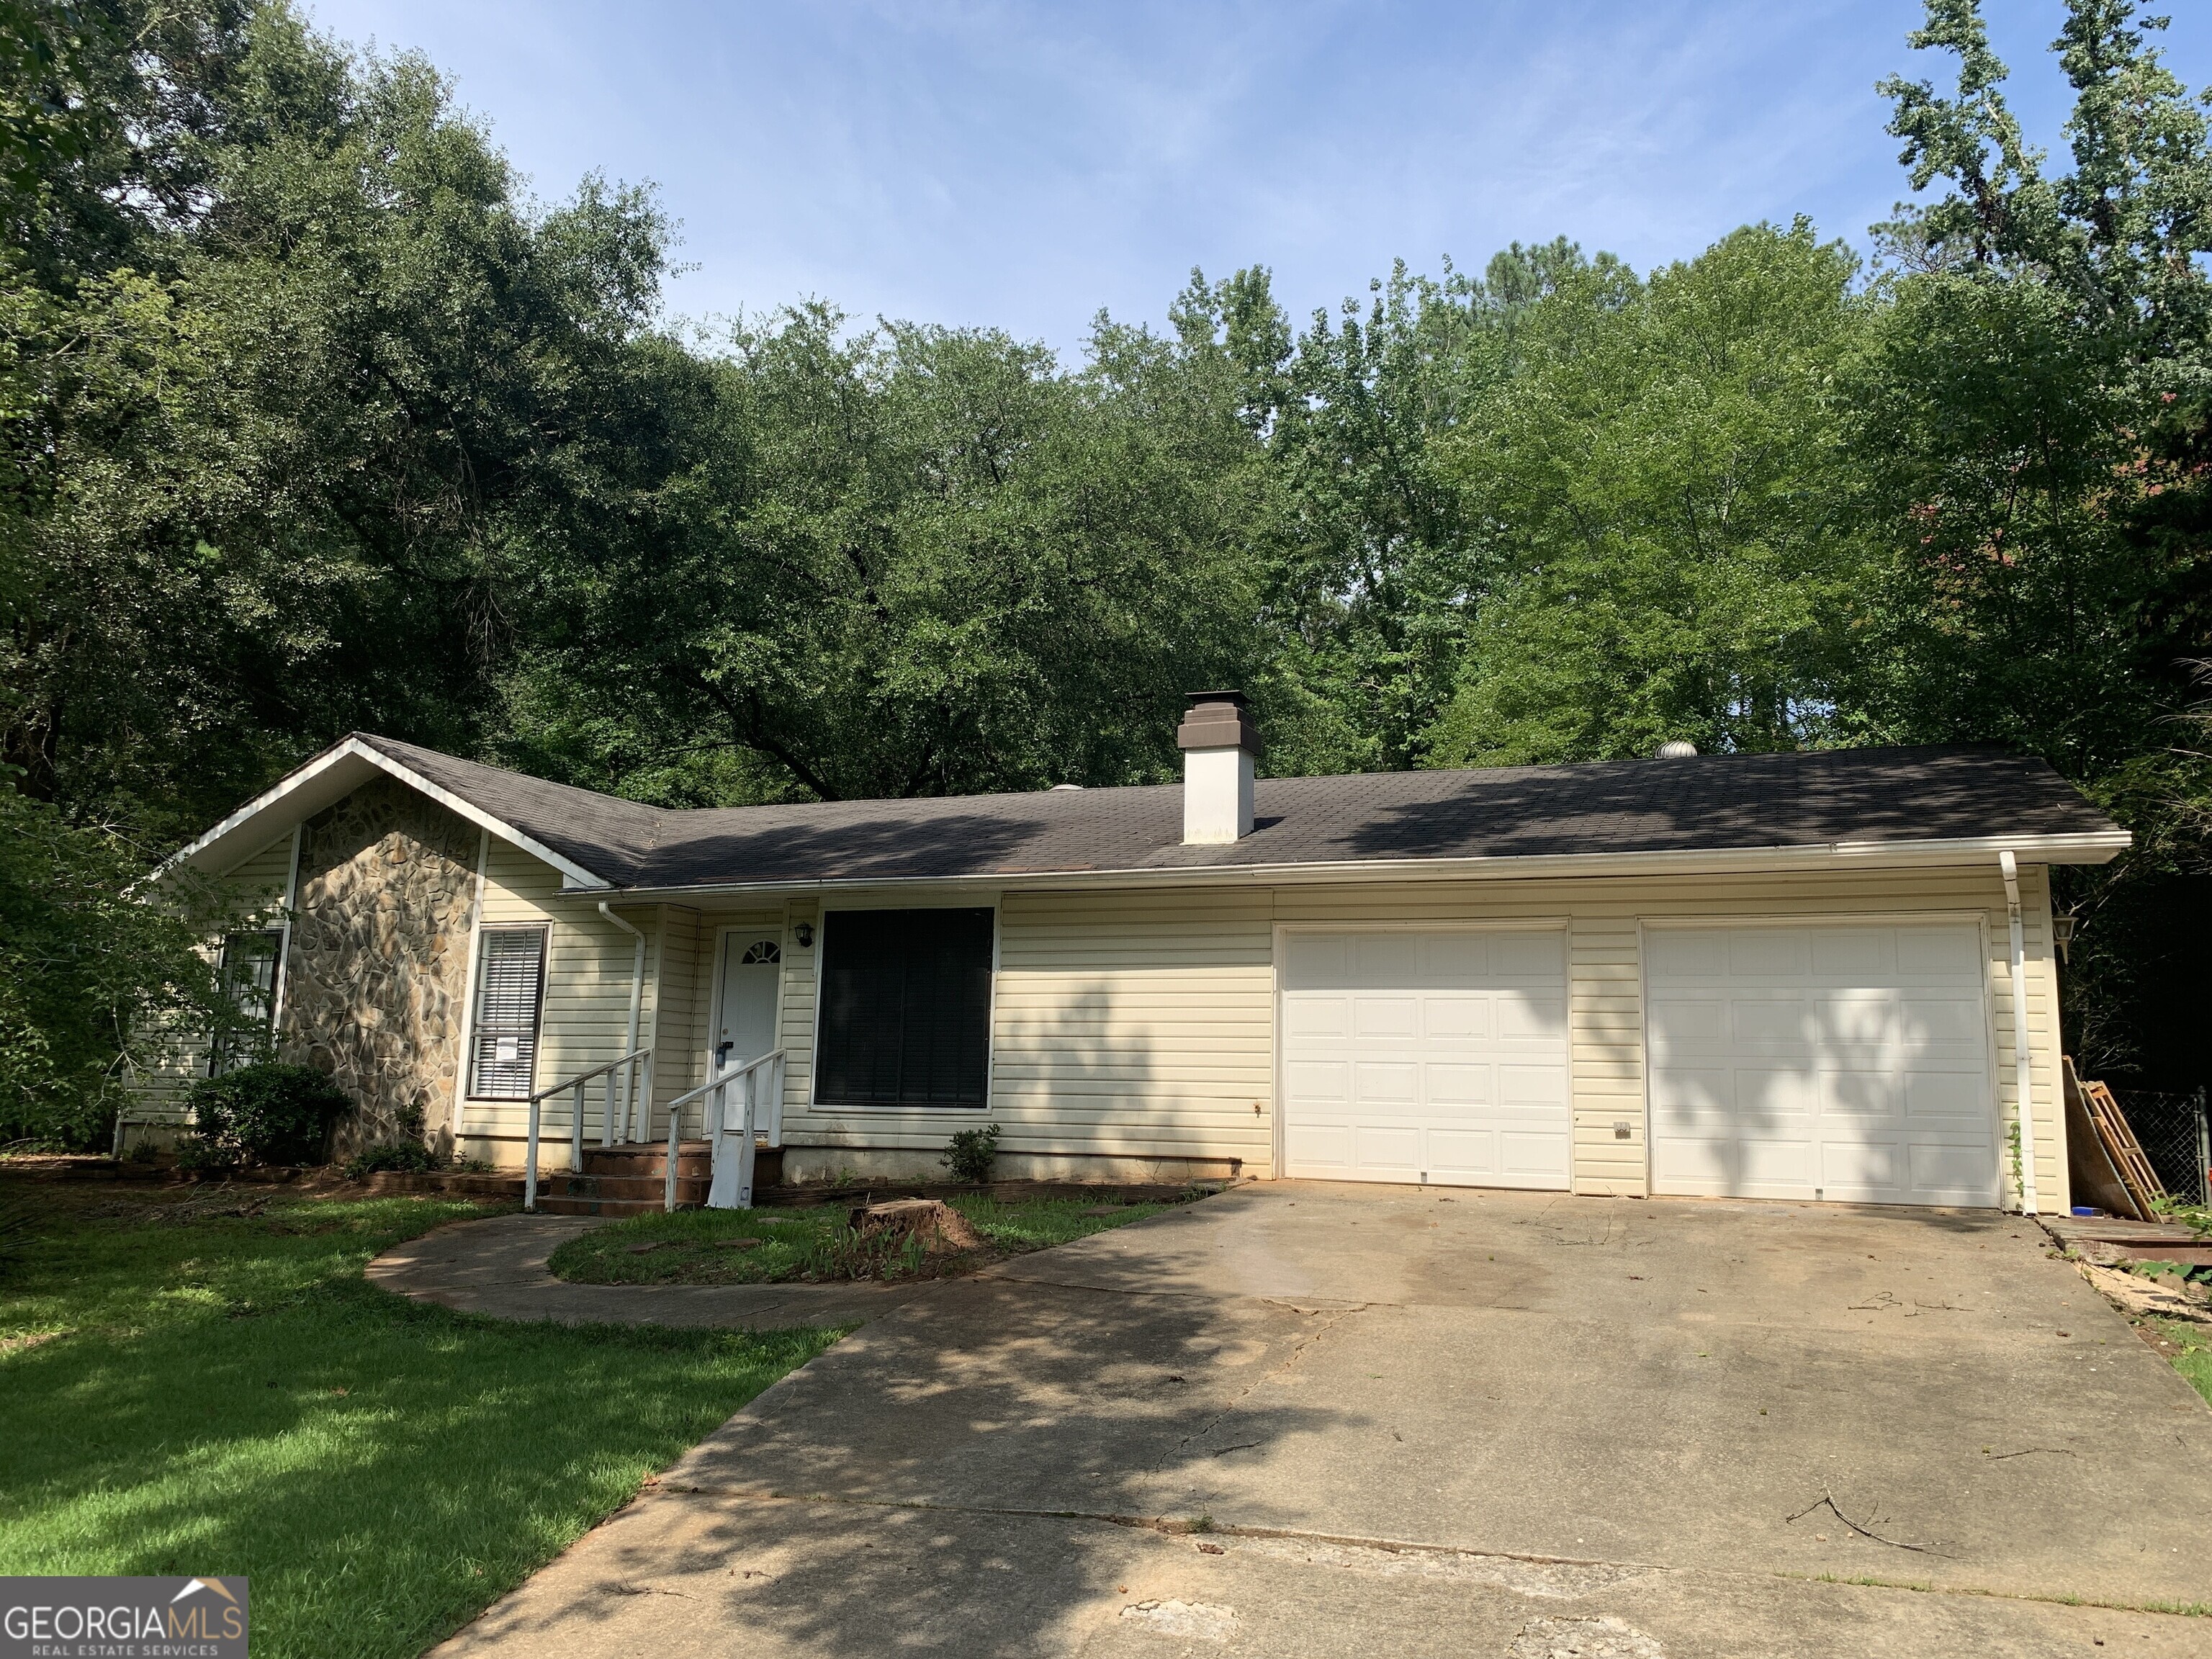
(2021, 1064)
(636, 1007)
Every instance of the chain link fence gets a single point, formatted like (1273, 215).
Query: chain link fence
(2171, 1128)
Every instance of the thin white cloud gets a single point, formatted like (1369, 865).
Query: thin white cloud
(1022, 164)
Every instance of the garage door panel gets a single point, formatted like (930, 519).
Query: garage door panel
(1683, 954)
(1319, 1147)
(1385, 1082)
(1454, 958)
(1955, 1172)
(1773, 1163)
(1935, 1097)
(1318, 1080)
(1385, 960)
(1941, 955)
(1865, 1097)
(1855, 1019)
(1853, 957)
(1444, 1015)
(1385, 1016)
(1860, 1168)
(1416, 1053)
(1317, 1017)
(1525, 956)
(1314, 959)
(1770, 1020)
(1447, 1085)
(1827, 1060)
(1689, 1025)
(1755, 953)
(1762, 1094)
(1936, 1021)
(1533, 1159)
(1543, 1087)
(1463, 1155)
(1523, 1014)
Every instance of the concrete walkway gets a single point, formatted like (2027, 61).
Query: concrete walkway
(497, 1266)
(1301, 1419)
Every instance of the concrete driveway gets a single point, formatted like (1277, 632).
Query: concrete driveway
(1322, 1419)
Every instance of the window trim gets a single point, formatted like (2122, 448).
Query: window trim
(544, 932)
(814, 1103)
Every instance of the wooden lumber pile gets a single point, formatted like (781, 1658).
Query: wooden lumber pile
(2110, 1169)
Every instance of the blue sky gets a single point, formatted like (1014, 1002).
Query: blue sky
(1022, 165)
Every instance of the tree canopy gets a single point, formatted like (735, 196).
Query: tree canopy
(310, 421)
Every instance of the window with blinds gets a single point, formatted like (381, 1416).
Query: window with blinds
(510, 996)
(249, 982)
(906, 1008)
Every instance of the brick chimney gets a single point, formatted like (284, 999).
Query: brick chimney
(1218, 743)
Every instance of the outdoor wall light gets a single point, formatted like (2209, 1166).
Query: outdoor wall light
(2061, 935)
(804, 934)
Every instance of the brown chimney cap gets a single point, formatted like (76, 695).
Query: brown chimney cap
(1218, 720)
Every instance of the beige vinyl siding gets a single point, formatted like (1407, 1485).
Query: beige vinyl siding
(260, 887)
(585, 1021)
(1139, 1024)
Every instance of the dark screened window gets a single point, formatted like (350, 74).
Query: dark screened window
(906, 1008)
(249, 964)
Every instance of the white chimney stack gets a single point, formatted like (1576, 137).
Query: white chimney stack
(1219, 743)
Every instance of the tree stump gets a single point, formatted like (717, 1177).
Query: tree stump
(941, 1229)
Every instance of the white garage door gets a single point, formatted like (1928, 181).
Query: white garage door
(1426, 1055)
(1847, 1063)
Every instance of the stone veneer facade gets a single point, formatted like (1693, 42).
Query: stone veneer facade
(377, 972)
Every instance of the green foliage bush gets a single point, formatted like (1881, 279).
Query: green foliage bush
(269, 1113)
(406, 1156)
(969, 1156)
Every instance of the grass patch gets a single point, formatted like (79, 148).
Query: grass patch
(2189, 1348)
(764, 1247)
(183, 1390)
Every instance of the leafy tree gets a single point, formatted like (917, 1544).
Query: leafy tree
(2031, 421)
(907, 561)
(95, 974)
(1658, 489)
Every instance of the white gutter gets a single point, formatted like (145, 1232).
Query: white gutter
(2099, 848)
(2021, 1063)
(636, 1005)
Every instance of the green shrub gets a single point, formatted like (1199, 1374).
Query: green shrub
(970, 1155)
(408, 1157)
(269, 1113)
(203, 1155)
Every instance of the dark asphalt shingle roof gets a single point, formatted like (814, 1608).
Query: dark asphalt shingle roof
(1711, 803)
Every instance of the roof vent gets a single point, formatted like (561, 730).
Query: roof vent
(1677, 749)
(1057, 787)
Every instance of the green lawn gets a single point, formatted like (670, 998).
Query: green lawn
(756, 1246)
(225, 1394)
(2191, 1352)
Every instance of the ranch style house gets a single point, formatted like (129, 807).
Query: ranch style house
(1813, 976)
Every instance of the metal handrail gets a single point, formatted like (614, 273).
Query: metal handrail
(641, 1058)
(720, 1083)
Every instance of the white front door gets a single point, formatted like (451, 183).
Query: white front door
(1821, 1062)
(1420, 1055)
(745, 1024)
(744, 1030)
